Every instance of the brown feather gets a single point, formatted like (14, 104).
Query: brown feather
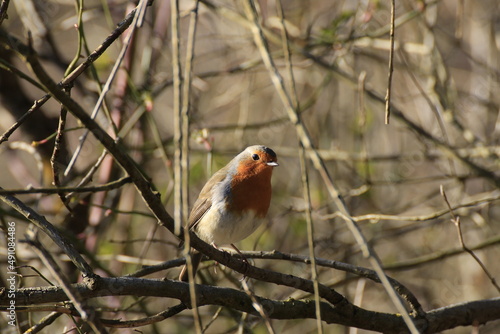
(204, 201)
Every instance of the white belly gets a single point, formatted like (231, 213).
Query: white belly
(222, 228)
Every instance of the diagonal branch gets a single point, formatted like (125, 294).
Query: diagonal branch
(437, 320)
(103, 187)
(49, 229)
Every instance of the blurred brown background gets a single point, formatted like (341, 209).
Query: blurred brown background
(445, 83)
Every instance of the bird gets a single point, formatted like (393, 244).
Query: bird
(234, 201)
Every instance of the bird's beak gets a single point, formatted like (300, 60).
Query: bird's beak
(272, 163)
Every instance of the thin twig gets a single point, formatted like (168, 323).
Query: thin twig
(54, 159)
(88, 177)
(456, 220)
(437, 256)
(492, 197)
(104, 187)
(79, 29)
(44, 322)
(391, 64)
(258, 307)
(42, 276)
(214, 317)
(33, 152)
(358, 299)
(14, 70)
(145, 321)
(362, 126)
(36, 105)
(148, 270)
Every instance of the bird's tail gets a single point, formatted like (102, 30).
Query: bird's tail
(195, 261)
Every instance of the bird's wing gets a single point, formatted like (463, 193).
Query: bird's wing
(204, 201)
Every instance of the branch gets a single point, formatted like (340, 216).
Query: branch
(464, 314)
(429, 258)
(403, 291)
(104, 187)
(456, 220)
(391, 65)
(345, 313)
(49, 229)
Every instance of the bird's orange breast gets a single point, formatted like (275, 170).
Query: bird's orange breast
(251, 191)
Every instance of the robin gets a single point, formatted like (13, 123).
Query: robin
(234, 201)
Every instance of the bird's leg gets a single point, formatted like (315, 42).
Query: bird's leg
(215, 262)
(243, 257)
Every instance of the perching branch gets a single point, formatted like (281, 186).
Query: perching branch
(464, 314)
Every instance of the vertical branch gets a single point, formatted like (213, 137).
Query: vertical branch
(57, 151)
(64, 112)
(188, 70)
(79, 29)
(303, 169)
(184, 158)
(362, 125)
(177, 82)
(310, 234)
(391, 65)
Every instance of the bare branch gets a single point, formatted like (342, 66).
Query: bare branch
(464, 314)
(391, 64)
(40, 222)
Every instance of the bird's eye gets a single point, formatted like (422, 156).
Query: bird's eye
(255, 156)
